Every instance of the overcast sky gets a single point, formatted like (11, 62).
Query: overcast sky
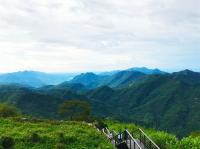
(98, 35)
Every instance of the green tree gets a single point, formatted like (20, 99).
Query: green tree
(75, 110)
(8, 110)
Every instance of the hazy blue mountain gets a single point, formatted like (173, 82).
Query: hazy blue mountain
(118, 79)
(146, 70)
(123, 78)
(90, 80)
(34, 78)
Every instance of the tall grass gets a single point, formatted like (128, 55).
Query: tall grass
(51, 135)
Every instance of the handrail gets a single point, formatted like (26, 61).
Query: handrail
(128, 138)
(149, 138)
(133, 138)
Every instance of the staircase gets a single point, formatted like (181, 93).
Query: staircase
(125, 140)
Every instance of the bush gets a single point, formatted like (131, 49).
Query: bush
(100, 124)
(7, 142)
(189, 143)
(66, 139)
(34, 137)
(60, 146)
(61, 138)
(8, 111)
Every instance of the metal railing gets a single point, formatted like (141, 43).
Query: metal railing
(144, 139)
(126, 137)
(136, 140)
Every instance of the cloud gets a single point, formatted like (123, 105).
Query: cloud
(86, 35)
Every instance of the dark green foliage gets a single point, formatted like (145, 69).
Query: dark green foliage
(75, 110)
(165, 102)
(195, 134)
(38, 103)
(100, 124)
(34, 137)
(7, 142)
(8, 110)
(61, 138)
(60, 146)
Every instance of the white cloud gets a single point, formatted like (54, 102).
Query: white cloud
(86, 35)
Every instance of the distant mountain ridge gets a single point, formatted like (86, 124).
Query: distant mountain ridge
(146, 70)
(114, 78)
(90, 79)
(34, 78)
(121, 78)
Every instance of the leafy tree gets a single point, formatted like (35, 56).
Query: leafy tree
(8, 110)
(75, 110)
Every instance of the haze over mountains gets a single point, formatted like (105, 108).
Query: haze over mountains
(39, 79)
(166, 101)
(35, 78)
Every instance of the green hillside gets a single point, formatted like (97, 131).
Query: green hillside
(41, 134)
(38, 103)
(166, 102)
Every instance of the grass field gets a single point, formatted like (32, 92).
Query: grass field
(36, 134)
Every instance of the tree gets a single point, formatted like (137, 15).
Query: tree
(8, 110)
(75, 110)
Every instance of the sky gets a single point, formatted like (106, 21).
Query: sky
(99, 35)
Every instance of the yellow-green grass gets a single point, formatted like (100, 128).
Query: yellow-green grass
(52, 135)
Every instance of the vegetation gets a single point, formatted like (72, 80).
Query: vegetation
(8, 111)
(167, 102)
(45, 134)
(75, 110)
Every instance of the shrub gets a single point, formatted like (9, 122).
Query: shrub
(61, 138)
(34, 137)
(100, 124)
(189, 143)
(7, 142)
(60, 146)
(8, 111)
(66, 139)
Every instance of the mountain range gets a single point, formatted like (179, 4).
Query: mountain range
(34, 78)
(166, 101)
(39, 79)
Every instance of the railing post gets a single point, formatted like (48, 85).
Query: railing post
(140, 137)
(115, 140)
(150, 145)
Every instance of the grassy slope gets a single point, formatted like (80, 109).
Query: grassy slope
(77, 135)
(162, 139)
